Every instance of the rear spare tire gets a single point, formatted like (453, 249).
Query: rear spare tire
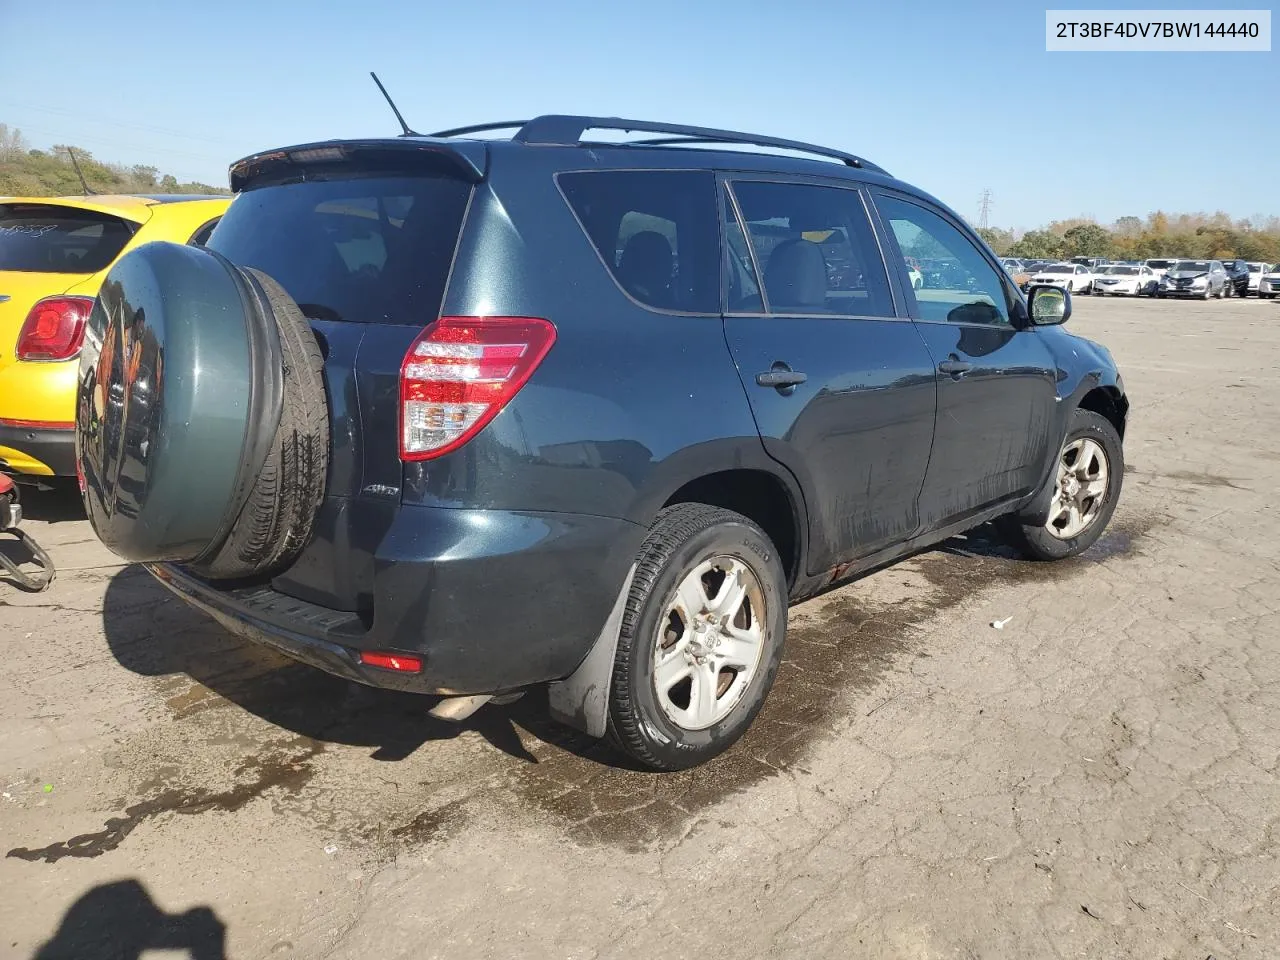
(201, 419)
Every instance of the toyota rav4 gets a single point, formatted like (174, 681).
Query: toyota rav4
(462, 415)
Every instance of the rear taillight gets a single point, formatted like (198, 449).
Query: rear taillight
(460, 373)
(54, 329)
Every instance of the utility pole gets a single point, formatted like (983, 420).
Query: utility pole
(984, 208)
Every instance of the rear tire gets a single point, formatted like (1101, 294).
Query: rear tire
(276, 520)
(672, 618)
(1097, 434)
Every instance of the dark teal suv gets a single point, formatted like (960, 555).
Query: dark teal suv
(463, 414)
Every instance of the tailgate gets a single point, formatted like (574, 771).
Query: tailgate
(365, 249)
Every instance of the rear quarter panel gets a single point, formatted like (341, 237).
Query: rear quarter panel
(629, 404)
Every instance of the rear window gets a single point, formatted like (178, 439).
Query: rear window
(655, 230)
(815, 250)
(42, 238)
(368, 250)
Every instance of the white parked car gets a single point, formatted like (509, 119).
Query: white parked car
(1075, 277)
(1160, 266)
(1257, 271)
(1128, 279)
(1269, 283)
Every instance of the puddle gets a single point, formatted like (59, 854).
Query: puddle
(286, 767)
(847, 643)
(1204, 479)
(429, 826)
(1197, 478)
(395, 787)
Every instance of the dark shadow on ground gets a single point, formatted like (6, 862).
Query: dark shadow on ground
(61, 504)
(152, 633)
(984, 541)
(120, 921)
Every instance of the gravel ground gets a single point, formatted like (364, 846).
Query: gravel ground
(1096, 779)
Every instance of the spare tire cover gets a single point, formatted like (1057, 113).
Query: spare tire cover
(179, 394)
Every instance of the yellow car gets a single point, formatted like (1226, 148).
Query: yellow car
(54, 254)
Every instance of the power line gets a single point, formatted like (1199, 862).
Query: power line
(89, 140)
(109, 121)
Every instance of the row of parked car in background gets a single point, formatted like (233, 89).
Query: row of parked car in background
(1159, 277)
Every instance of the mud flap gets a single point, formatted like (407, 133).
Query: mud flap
(1036, 513)
(581, 700)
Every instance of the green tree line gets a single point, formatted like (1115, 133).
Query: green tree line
(28, 172)
(1193, 235)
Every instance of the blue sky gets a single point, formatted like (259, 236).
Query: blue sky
(954, 98)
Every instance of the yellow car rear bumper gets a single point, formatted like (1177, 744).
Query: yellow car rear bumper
(37, 451)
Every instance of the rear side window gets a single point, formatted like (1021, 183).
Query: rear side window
(655, 230)
(368, 250)
(201, 236)
(43, 238)
(815, 250)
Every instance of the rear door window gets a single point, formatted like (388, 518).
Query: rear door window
(815, 250)
(656, 232)
(44, 238)
(368, 250)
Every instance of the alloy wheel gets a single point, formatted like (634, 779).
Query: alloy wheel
(709, 643)
(1081, 488)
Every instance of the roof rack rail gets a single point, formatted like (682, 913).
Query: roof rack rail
(479, 128)
(848, 158)
(563, 130)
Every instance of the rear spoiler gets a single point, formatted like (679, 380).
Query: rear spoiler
(467, 159)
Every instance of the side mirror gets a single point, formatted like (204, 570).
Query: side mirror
(1049, 306)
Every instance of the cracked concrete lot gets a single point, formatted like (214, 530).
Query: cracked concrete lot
(1096, 779)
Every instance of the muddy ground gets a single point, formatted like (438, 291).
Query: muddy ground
(1096, 779)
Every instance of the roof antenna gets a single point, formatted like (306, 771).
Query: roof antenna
(392, 104)
(75, 163)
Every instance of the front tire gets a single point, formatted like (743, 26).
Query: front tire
(1090, 473)
(701, 638)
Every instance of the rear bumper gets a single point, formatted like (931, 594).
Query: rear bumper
(490, 600)
(38, 450)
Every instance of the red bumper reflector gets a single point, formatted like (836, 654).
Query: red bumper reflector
(37, 424)
(399, 662)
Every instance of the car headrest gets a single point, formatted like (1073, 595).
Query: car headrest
(796, 276)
